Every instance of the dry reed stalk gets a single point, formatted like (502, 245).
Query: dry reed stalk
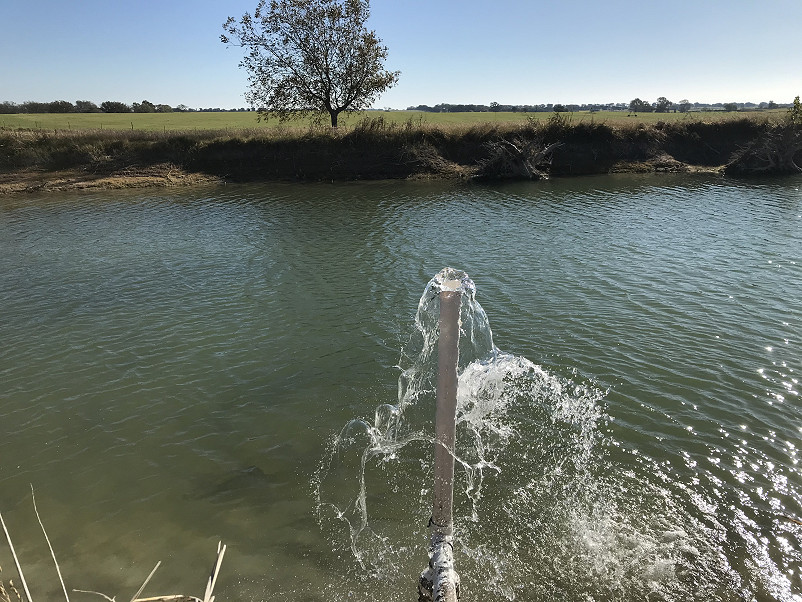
(208, 597)
(221, 550)
(4, 597)
(171, 598)
(86, 591)
(16, 560)
(14, 589)
(136, 595)
(47, 539)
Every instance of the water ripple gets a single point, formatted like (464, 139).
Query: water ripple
(157, 345)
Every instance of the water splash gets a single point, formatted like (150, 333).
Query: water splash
(546, 504)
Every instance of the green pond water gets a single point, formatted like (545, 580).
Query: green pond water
(183, 367)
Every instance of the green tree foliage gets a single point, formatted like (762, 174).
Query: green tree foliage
(730, 106)
(86, 106)
(684, 105)
(111, 106)
(310, 56)
(662, 105)
(144, 107)
(640, 106)
(36, 107)
(60, 106)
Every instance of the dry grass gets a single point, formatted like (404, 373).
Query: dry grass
(5, 597)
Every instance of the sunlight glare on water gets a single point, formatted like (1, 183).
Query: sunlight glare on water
(601, 530)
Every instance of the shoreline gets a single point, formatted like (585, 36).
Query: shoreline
(33, 161)
(170, 176)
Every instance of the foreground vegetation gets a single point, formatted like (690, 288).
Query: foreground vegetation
(382, 145)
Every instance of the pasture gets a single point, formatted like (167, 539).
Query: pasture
(233, 121)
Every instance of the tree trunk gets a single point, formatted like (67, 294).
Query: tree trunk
(334, 115)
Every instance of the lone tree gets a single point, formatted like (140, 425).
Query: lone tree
(310, 56)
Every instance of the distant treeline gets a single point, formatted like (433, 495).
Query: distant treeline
(109, 106)
(661, 106)
(495, 107)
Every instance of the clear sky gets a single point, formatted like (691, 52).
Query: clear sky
(453, 51)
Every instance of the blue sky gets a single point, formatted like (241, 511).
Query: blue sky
(453, 51)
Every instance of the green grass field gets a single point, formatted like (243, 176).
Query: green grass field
(249, 120)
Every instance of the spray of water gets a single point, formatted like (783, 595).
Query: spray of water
(542, 508)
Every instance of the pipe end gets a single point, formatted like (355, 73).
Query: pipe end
(455, 281)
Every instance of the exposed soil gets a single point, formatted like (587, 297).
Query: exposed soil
(163, 175)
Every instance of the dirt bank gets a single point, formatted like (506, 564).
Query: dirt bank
(373, 149)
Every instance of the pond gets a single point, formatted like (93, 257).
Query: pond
(179, 368)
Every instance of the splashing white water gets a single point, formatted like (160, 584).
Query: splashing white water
(542, 510)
